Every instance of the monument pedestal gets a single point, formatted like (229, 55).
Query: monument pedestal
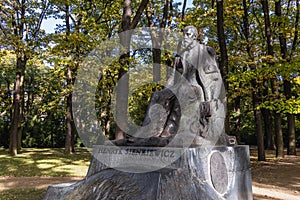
(221, 172)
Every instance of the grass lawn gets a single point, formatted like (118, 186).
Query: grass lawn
(46, 162)
(22, 194)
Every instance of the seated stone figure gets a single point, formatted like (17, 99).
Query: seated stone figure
(191, 102)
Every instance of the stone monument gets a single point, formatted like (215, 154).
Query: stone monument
(181, 151)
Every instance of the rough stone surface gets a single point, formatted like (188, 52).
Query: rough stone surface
(200, 173)
(219, 179)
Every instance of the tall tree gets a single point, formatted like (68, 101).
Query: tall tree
(222, 41)
(183, 10)
(86, 24)
(256, 93)
(270, 52)
(70, 126)
(270, 60)
(67, 50)
(21, 25)
(156, 34)
(127, 24)
(291, 150)
(283, 50)
(223, 62)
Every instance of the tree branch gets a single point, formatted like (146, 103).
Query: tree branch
(3, 29)
(295, 40)
(2, 114)
(100, 16)
(165, 15)
(183, 10)
(138, 14)
(41, 18)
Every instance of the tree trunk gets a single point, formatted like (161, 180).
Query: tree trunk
(278, 124)
(70, 125)
(269, 133)
(23, 36)
(223, 63)
(183, 10)
(157, 38)
(22, 110)
(268, 32)
(270, 49)
(74, 133)
(156, 65)
(68, 140)
(156, 52)
(17, 104)
(222, 43)
(286, 84)
(292, 135)
(69, 118)
(291, 148)
(18, 22)
(13, 144)
(259, 129)
(279, 138)
(255, 93)
(295, 40)
(237, 122)
(122, 90)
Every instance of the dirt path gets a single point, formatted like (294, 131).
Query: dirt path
(277, 179)
(262, 193)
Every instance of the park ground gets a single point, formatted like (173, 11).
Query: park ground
(27, 176)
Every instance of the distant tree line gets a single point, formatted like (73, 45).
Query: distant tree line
(257, 42)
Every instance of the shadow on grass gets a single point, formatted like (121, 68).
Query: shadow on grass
(44, 162)
(22, 194)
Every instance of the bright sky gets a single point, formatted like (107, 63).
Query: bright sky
(49, 24)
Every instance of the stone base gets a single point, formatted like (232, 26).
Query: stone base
(221, 172)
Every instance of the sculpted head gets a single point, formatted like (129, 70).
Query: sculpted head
(190, 35)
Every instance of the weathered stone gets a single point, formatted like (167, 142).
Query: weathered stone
(200, 173)
(219, 179)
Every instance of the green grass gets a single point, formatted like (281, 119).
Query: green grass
(33, 162)
(22, 194)
(44, 162)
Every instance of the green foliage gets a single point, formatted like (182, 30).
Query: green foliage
(20, 25)
(139, 101)
(50, 56)
(104, 97)
(244, 70)
(7, 62)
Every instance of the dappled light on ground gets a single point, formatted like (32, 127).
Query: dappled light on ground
(44, 162)
(276, 178)
(31, 172)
